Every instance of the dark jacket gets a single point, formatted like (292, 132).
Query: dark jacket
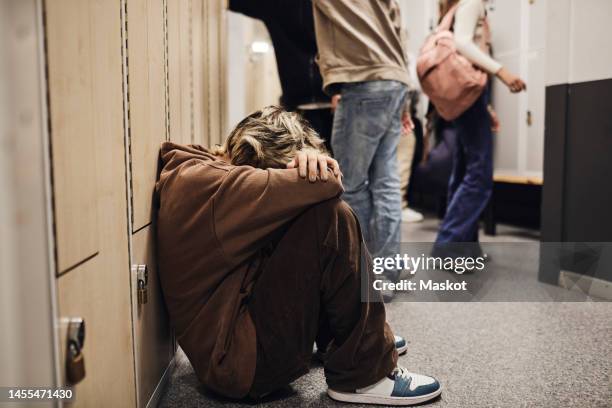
(290, 24)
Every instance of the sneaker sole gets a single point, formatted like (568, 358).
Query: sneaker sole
(380, 399)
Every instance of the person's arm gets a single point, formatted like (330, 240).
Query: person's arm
(253, 203)
(466, 19)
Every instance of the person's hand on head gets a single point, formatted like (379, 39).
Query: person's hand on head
(312, 163)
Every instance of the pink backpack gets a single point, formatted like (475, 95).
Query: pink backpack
(451, 82)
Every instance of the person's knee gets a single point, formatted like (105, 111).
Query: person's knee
(336, 208)
(338, 225)
(384, 186)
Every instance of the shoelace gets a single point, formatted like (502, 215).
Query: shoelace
(401, 372)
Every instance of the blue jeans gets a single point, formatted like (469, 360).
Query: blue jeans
(367, 127)
(471, 181)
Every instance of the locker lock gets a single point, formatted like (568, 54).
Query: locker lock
(142, 280)
(529, 118)
(75, 362)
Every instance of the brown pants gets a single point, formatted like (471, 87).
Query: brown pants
(310, 285)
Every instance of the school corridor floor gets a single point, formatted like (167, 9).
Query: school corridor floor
(489, 354)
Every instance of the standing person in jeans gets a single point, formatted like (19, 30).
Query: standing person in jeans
(471, 182)
(362, 58)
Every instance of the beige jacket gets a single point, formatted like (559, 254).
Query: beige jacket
(359, 40)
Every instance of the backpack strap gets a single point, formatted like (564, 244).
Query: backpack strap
(447, 21)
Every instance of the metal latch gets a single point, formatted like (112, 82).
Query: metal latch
(142, 279)
(75, 362)
(529, 118)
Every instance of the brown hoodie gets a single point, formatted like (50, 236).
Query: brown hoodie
(213, 222)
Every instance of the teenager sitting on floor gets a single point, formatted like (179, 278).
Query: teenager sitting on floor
(259, 257)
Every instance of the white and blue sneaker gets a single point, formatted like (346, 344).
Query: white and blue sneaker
(400, 388)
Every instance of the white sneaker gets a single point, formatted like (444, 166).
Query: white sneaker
(400, 388)
(409, 215)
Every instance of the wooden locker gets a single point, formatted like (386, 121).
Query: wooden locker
(505, 19)
(200, 106)
(223, 41)
(73, 134)
(536, 88)
(147, 100)
(214, 14)
(506, 153)
(84, 53)
(536, 105)
(146, 47)
(179, 66)
(153, 341)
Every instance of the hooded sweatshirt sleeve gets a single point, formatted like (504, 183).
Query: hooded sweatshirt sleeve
(253, 203)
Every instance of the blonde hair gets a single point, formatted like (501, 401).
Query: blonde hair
(269, 137)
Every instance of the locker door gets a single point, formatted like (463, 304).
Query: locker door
(146, 44)
(536, 88)
(200, 95)
(537, 24)
(223, 78)
(215, 82)
(85, 94)
(145, 31)
(70, 58)
(506, 18)
(153, 340)
(179, 69)
(511, 116)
